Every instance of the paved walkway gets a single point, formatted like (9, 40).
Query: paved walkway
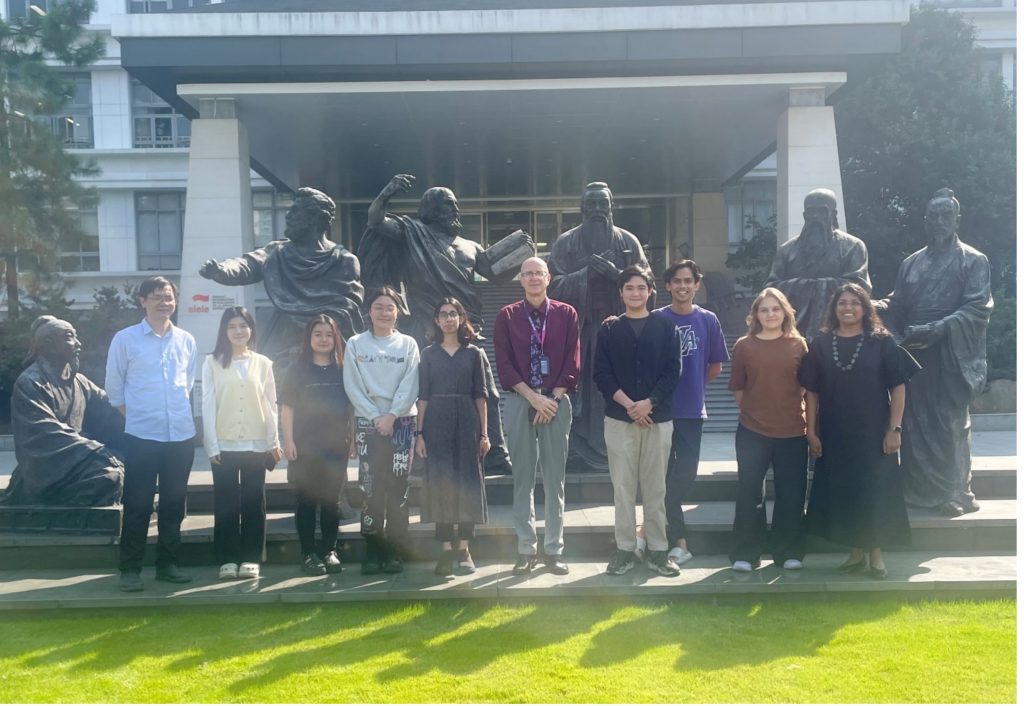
(911, 573)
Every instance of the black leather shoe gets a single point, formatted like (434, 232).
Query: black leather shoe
(445, 564)
(332, 564)
(877, 572)
(392, 565)
(971, 506)
(524, 565)
(950, 509)
(556, 566)
(172, 574)
(130, 582)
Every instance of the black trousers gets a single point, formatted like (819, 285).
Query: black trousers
(788, 459)
(682, 471)
(445, 531)
(146, 464)
(239, 506)
(385, 513)
(319, 480)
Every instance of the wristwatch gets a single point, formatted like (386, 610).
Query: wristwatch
(898, 429)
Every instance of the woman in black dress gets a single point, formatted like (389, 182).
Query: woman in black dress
(453, 435)
(854, 375)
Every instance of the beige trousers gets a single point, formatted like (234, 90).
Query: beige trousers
(638, 456)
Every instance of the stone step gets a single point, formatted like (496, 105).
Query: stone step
(995, 477)
(911, 574)
(589, 533)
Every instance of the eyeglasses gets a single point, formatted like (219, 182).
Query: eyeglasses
(448, 315)
(534, 273)
(169, 299)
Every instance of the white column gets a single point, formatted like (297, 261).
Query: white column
(808, 158)
(218, 218)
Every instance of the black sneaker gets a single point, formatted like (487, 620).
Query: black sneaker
(659, 563)
(622, 563)
(130, 582)
(392, 565)
(172, 574)
(332, 563)
(464, 565)
(445, 564)
(312, 566)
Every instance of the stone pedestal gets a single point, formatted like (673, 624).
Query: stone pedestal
(61, 520)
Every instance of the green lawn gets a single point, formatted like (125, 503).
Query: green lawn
(572, 651)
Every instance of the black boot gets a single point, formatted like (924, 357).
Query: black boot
(372, 559)
(391, 559)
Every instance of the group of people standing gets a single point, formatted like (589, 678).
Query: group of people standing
(839, 401)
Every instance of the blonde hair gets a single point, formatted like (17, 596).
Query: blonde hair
(788, 313)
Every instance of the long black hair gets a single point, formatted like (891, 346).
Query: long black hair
(222, 351)
(873, 326)
(306, 352)
(466, 333)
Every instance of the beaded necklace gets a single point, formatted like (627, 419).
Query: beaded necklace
(835, 352)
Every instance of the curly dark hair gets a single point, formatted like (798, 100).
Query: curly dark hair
(873, 325)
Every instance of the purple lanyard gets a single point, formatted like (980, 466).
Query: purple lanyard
(544, 326)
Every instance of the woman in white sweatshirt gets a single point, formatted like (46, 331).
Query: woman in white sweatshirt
(240, 437)
(382, 381)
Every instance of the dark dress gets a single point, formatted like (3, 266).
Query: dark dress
(856, 496)
(454, 481)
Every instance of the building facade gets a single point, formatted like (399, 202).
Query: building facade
(203, 117)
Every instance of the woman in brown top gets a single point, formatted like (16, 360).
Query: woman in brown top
(771, 431)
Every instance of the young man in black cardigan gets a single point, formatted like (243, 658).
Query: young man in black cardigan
(636, 368)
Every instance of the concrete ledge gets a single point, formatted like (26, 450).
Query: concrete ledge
(994, 422)
(918, 574)
(60, 520)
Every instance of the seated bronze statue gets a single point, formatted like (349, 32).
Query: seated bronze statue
(62, 424)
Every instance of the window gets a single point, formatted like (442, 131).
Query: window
(752, 199)
(159, 225)
(268, 209)
(81, 252)
(138, 7)
(17, 9)
(73, 125)
(154, 123)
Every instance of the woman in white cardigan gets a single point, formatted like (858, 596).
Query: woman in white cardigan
(240, 437)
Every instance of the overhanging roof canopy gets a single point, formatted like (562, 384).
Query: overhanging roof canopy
(531, 138)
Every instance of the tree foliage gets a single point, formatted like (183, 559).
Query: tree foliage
(928, 117)
(37, 178)
(752, 260)
(909, 124)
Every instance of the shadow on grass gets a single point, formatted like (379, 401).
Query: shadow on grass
(275, 643)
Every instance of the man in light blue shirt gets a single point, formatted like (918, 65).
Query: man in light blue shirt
(150, 372)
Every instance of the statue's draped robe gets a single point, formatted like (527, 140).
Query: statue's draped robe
(594, 299)
(300, 283)
(809, 271)
(952, 285)
(432, 266)
(60, 430)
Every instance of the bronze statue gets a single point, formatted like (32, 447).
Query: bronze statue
(810, 267)
(62, 423)
(305, 274)
(584, 264)
(939, 310)
(427, 257)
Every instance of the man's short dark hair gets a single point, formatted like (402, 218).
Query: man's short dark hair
(678, 265)
(151, 284)
(635, 271)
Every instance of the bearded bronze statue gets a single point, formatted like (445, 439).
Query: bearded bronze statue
(305, 274)
(62, 425)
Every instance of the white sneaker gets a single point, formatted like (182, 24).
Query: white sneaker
(792, 564)
(742, 566)
(249, 570)
(680, 556)
(228, 571)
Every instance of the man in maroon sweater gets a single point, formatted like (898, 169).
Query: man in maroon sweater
(537, 350)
